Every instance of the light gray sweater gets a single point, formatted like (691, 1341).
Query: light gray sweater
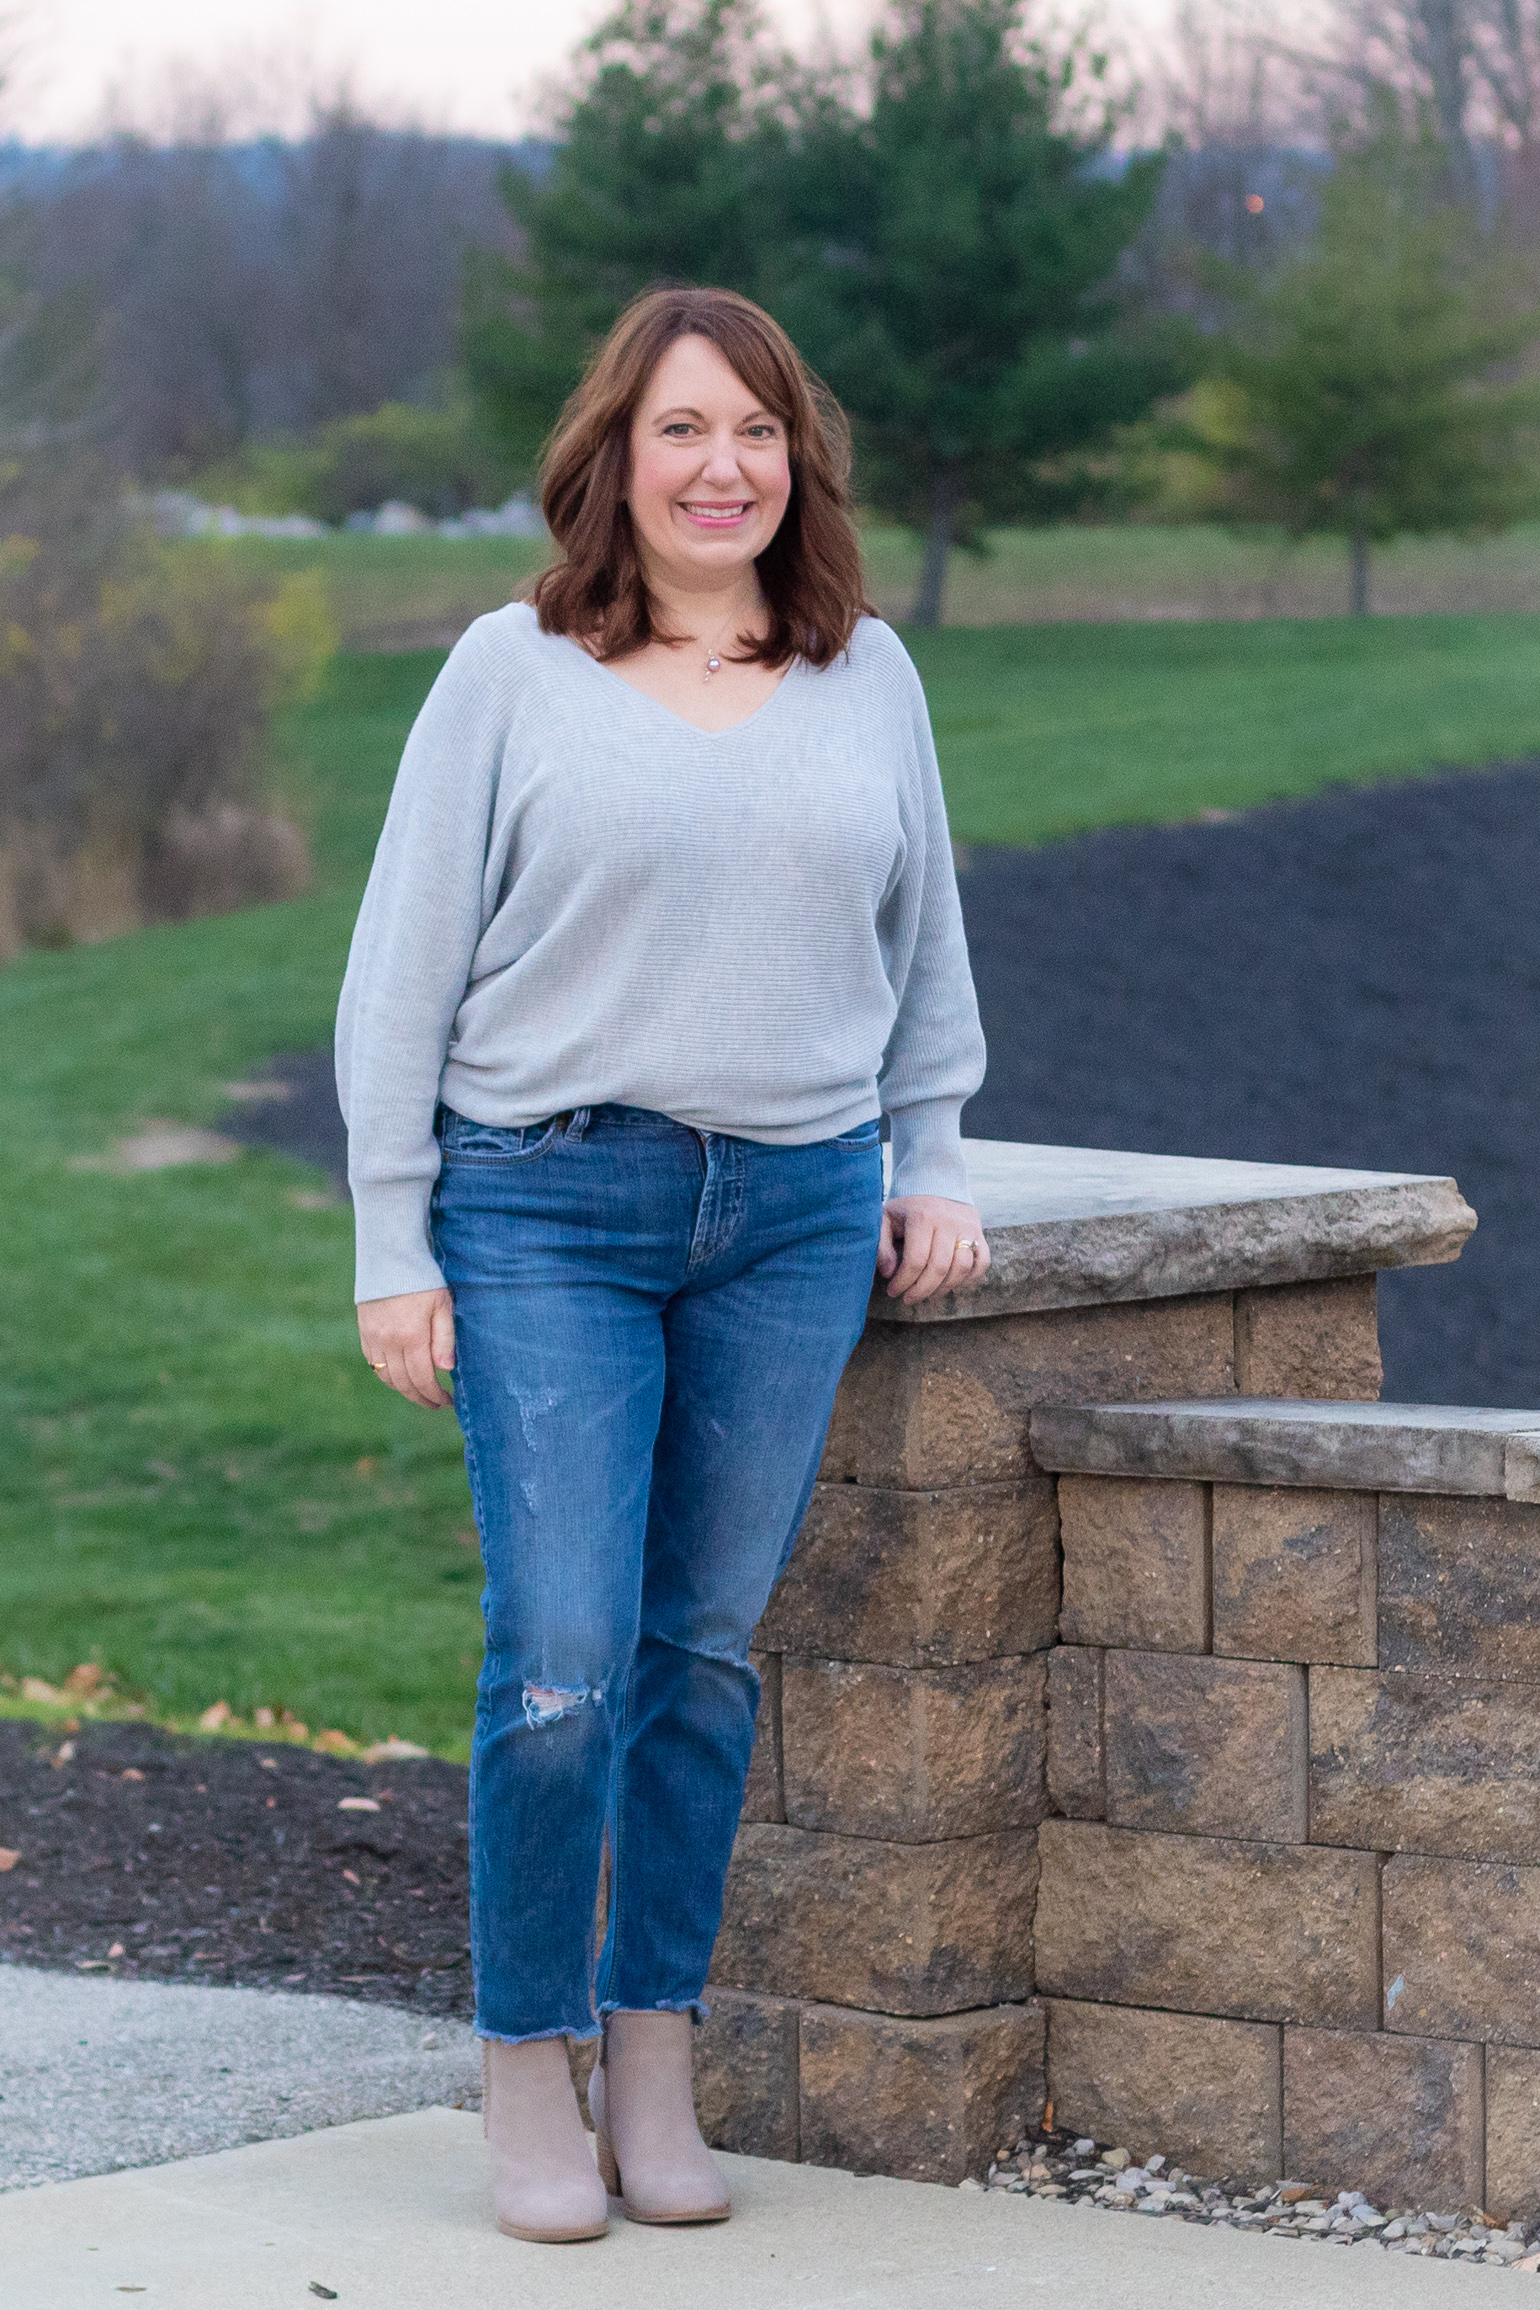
(578, 897)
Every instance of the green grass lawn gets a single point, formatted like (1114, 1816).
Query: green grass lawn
(205, 1489)
(1046, 730)
(396, 593)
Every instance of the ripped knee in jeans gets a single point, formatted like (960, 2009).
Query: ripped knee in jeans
(547, 1704)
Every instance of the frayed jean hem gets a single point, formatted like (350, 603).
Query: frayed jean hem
(695, 2007)
(539, 2036)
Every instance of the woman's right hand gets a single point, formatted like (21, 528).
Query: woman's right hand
(409, 1339)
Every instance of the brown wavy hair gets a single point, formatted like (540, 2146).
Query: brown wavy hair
(809, 573)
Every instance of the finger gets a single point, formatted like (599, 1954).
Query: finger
(967, 1269)
(397, 1373)
(919, 1235)
(943, 1250)
(977, 1268)
(887, 1255)
(443, 1331)
(423, 1378)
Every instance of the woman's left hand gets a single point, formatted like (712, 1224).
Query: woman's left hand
(931, 1244)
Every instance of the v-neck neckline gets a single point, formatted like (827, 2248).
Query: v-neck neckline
(682, 721)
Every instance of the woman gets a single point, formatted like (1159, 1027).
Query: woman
(662, 919)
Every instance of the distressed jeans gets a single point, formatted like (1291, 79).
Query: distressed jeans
(651, 1322)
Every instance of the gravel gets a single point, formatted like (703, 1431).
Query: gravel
(101, 2074)
(1045, 2164)
(1352, 980)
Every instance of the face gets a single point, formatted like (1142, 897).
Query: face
(710, 477)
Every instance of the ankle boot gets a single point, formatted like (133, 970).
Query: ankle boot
(545, 2185)
(650, 2149)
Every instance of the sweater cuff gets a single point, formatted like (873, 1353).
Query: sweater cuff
(927, 1150)
(390, 1221)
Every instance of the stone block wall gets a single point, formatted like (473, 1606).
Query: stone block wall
(875, 1986)
(1289, 1905)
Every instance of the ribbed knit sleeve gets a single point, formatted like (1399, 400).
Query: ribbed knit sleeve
(935, 1054)
(412, 950)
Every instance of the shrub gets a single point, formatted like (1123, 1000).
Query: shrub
(438, 460)
(137, 680)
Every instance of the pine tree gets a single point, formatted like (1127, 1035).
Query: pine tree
(665, 170)
(949, 268)
(1370, 389)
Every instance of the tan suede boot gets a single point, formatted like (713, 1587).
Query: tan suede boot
(650, 2150)
(545, 2185)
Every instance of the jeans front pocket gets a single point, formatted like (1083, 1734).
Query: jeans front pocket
(463, 1141)
(864, 1135)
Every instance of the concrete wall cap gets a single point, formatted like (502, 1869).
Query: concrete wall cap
(1084, 1226)
(1349, 1447)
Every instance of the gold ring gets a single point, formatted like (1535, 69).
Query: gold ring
(379, 1367)
(966, 1243)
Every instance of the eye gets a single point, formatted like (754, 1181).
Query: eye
(761, 432)
(678, 427)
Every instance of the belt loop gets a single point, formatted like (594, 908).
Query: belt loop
(579, 1123)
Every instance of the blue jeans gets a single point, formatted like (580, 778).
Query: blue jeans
(651, 1322)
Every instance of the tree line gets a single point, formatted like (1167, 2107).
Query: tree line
(960, 239)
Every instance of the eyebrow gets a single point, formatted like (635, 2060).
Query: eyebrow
(666, 416)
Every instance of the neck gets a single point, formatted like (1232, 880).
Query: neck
(704, 612)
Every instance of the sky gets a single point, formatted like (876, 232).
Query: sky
(470, 65)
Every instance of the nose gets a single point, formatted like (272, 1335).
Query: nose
(721, 468)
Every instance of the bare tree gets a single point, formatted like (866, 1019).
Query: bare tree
(259, 287)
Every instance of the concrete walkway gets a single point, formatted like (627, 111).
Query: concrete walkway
(393, 2214)
(99, 2074)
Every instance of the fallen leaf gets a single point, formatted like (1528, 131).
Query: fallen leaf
(130, 1773)
(84, 1679)
(384, 1752)
(268, 1764)
(8, 1859)
(327, 2293)
(64, 1754)
(1531, 2263)
(336, 1744)
(365, 1467)
(117, 1950)
(90, 1965)
(263, 1719)
(34, 1688)
(213, 1718)
(357, 1805)
(352, 1880)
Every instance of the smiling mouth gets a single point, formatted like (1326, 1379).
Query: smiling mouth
(721, 514)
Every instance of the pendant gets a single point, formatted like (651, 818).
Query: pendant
(713, 666)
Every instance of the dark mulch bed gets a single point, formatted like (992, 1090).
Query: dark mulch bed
(302, 1117)
(229, 1861)
(1352, 980)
